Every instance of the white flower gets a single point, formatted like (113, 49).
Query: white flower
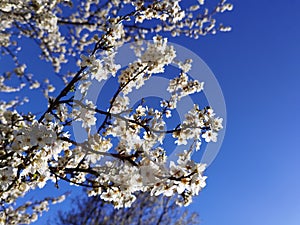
(112, 194)
(140, 111)
(87, 60)
(120, 104)
(181, 140)
(85, 114)
(168, 113)
(210, 136)
(168, 191)
(197, 183)
(7, 175)
(182, 185)
(217, 124)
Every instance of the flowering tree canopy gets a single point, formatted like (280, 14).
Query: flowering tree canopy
(123, 152)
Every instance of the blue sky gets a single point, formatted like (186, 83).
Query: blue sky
(255, 178)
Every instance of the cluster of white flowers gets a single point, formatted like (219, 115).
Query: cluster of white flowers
(138, 151)
(198, 123)
(100, 70)
(185, 178)
(170, 10)
(181, 86)
(85, 113)
(22, 214)
(62, 33)
(115, 34)
(46, 15)
(8, 6)
(127, 153)
(26, 147)
(95, 146)
(120, 104)
(132, 77)
(158, 55)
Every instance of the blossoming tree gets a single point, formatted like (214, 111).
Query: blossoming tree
(126, 154)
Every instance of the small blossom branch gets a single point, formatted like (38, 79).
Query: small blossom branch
(121, 87)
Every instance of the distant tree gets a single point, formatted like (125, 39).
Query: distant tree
(146, 210)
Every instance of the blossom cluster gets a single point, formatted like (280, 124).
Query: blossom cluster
(26, 149)
(21, 215)
(62, 32)
(127, 153)
(198, 123)
(139, 131)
